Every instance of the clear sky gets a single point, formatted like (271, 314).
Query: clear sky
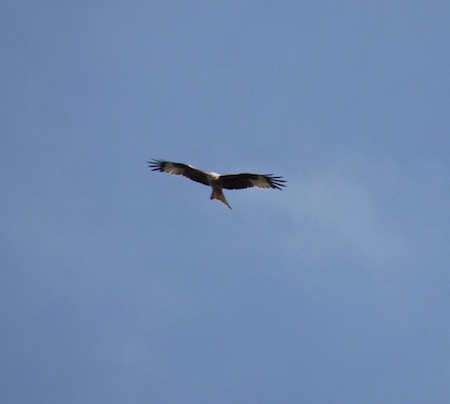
(122, 285)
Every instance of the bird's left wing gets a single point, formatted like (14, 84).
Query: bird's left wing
(246, 180)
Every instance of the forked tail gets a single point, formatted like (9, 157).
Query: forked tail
(218, 194)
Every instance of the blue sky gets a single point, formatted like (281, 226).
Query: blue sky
(123, 285)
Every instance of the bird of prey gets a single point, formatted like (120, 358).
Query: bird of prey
(216, 181)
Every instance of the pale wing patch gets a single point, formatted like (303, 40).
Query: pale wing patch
(173, 169)
(260, 182)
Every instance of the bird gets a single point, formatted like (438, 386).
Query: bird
(216, 181)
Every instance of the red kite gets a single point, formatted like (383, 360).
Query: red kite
(216, 181)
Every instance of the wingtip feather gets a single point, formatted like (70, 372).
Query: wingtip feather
(156, 164)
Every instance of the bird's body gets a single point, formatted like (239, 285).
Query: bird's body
(216, 181)
(216, 185)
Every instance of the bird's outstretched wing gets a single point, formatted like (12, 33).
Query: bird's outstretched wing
(246, 180)
(185, 170)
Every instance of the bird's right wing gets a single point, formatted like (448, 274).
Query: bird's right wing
(185, 170)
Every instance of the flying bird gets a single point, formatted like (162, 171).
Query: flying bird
(216, 181)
